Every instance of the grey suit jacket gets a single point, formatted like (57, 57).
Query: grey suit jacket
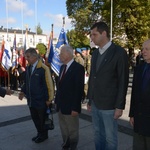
(108, 85)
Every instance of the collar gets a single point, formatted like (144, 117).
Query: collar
(69, 64)
(34, 65)
(105, 47)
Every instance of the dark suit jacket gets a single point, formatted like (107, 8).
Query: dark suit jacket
(140, 103)
(2, 92)
(70, 91)
(108, 85)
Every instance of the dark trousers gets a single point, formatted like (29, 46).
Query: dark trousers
(141, 142)
(38, 116)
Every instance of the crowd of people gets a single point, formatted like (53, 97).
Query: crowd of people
(102, 80)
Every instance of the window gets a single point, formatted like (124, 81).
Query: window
(40, 40)
(20, 40)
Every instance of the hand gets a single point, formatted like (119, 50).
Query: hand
(132, 121)
(48, 103)
(9, 92)
(118, 113)
(88, 107)
(21, 95)
(74, 113)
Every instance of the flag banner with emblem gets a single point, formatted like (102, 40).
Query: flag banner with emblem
(62, 39)
(7, 56)
(56, 63)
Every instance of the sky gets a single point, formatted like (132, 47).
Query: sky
(19, 13)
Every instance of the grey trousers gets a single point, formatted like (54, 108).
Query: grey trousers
(69, 127)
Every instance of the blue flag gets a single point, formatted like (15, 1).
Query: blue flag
(56, 63)
(7, 56)
(62, 39)
(51, 51)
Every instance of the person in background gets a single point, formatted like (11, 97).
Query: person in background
(38, 89)
(78, 56)
(87, 65)
(108, 83)
(4, 92)
(140, 102)
(70, 89)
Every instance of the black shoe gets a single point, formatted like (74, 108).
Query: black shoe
(34, 138)
(41, 139)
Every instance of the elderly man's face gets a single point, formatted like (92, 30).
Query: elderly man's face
(64, 56)
(146, 51)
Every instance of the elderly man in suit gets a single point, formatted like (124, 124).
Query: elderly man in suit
(70, 89)
(140, 102)
(108, 84)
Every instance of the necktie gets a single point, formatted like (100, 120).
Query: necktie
(63, 72)
(146, 76)
(30, 70)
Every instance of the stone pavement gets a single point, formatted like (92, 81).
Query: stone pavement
(17, 129)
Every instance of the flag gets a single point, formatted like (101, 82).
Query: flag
(25, 47)
(51, 51)
(7, 56)
(1, 51)
(62, 39)
(55, 61)
(14, 54)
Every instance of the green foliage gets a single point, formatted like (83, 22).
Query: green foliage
(131, 19)
(42, 48)
(77, 39)
(39, 30)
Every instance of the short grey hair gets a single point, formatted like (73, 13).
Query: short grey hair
(32, 51)
(68, 48)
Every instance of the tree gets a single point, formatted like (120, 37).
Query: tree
(42, 49)
(38, 29)
(131, 19)
(77, 39)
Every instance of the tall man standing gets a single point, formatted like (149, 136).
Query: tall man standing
(38, 89)
(108, 84)
(69, 94)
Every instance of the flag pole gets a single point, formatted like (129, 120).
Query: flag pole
(111, 20)
(7, 17)
(63, 21)
(36, 21)
(52, 30)
(22, 19)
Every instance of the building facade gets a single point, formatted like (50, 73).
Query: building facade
(32, 39)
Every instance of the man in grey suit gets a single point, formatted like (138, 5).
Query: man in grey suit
(108, 84)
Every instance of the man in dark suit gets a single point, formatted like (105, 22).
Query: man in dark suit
(4, 92)
(140, 102)
(69, 94)
(108, 84)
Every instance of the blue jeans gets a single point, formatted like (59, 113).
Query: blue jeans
(105, 129)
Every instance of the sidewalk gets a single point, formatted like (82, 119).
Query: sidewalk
(17, 129)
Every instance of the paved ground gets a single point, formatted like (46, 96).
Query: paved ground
(17, 129)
